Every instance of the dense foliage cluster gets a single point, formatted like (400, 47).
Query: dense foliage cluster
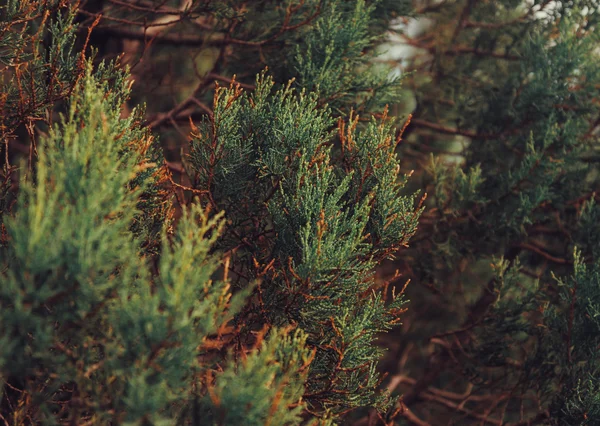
(201, 201)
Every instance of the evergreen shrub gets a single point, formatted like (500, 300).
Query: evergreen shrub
(200, 230)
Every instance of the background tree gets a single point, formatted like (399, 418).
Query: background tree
(504, 138)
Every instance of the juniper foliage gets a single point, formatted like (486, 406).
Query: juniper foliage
(310, 225)
(251, 301)
(507, 112)
(233, 280)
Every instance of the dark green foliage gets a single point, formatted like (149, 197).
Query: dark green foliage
(234, 392)
(311, 225)
(331, 52)
(507, 113)
(81, 312)
(38, 59)
(117, 305)
(31, 83)
(576, 321)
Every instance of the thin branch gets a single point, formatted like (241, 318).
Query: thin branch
(538, 250)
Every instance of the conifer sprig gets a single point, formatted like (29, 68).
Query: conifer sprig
(324, 221)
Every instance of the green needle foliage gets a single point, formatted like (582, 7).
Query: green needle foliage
(310, 224)
(82, 315)
(251, 301)
(220, 255)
